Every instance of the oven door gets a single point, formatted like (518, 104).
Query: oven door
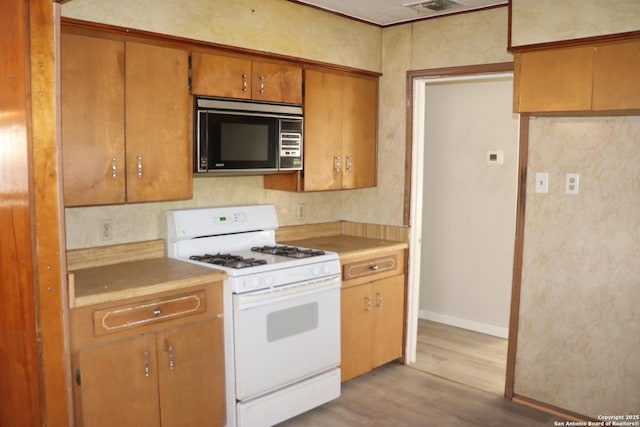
(285, 335)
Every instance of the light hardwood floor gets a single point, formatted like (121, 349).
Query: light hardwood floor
(395, 395)
(467, 357)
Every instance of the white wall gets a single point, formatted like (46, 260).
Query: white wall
(468, 225)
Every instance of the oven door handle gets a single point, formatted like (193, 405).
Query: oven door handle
(284, 293)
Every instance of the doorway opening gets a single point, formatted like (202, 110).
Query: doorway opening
(463, 201)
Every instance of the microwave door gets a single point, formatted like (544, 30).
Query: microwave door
(242, 142)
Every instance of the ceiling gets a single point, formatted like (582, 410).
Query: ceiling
(389, 12)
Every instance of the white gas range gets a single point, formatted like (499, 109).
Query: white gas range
(281, 311)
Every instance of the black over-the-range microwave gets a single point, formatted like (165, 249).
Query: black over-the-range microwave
(234, 137)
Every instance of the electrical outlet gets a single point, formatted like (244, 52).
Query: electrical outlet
(301, 210)
(572, 183)
(106, 229)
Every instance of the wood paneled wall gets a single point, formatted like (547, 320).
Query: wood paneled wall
(18, 350)
(35, 381)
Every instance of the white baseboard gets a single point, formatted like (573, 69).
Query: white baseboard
(459, 322)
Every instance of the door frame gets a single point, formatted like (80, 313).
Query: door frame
(412, 217)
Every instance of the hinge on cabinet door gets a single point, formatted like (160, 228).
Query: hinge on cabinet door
(78, 377)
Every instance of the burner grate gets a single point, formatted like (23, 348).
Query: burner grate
(288, 251)
(228, 260)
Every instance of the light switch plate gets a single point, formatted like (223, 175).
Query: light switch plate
(542, 182)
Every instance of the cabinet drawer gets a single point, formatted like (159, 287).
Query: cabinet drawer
(116, 319)
(373, 267)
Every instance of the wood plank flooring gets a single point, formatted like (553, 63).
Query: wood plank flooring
(395, 395)
(463, 356)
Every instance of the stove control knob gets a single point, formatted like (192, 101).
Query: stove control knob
(316, 271)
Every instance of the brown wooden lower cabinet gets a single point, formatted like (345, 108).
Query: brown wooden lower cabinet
(171, 374)
(372, 325)
(112, 386)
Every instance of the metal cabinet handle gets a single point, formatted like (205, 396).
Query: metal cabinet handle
(244, 82)
(156, 312)
(114, 168)
(349, 163)
(336, 163)
(146, 363)
(262, 84)
(170, 350)
(368, 303)
(139, 159)
(374, 267)
(379, 299)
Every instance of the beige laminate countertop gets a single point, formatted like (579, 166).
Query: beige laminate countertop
(114, 282)
(350, 247)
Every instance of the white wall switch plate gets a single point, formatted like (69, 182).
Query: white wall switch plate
(542, 182)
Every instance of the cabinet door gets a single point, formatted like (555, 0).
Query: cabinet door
(192, 390)
(616, 76)
(553, 80)
(224, 76)
(389, 319)
(276, 82)
(323, 131)
(92, 115)
(118, 384)
(158, 123)
(359, 124)
(356, 330)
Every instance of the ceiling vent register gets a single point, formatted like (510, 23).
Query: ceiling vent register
(433, 5)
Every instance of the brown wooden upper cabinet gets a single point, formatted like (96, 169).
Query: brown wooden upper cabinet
(616, 76)
(92, 104)
(587, 78)
(126, 128)
(245, 78)
(340, 135)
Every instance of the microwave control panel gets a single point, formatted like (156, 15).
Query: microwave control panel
(291, 144)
